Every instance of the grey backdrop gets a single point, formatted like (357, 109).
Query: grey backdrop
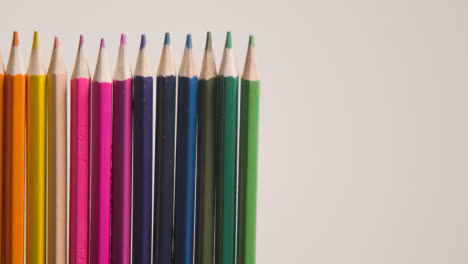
(364, 113)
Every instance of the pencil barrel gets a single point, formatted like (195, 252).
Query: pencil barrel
(2, 97)
(101, 172)
(206, 169)
(56, 168)
(164, 169)
(142, 168)
(185, 171)
(226, 169)
(121, 171)
(13, 188)
(248, 155)
(79, 170)
(35, 169)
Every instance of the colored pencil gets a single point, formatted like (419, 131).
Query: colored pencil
(122, 158)
(185, 157)
(14, 161)
(80, 85)
(35, 156)
(206, 158)
(101, 160)
(164, 160)
(2, 78)
(142, 156)
(57, 157)
(226, 156)
(248, 153)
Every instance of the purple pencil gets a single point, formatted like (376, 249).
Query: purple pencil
(101, 160)
(122, 158)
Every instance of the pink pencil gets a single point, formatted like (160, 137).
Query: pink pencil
(101, 160)
(79, 158)
(122, 158)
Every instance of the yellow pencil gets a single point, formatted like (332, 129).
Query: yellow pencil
(35, 156)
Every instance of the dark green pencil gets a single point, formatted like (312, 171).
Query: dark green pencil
(226, 144)
(206, 158)
(248, 153)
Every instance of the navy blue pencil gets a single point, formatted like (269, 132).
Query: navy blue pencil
(164, 163)
(186, 150)
(142, 156)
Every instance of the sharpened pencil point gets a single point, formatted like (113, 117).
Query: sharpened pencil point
(15, 41)
(208, 42)
(56, 42)
(167, 39)
(35, 40)
(228, 40)
(143, 41)
(81, 39)
(188, 43)
(103, 43)
(123, 39)
(252, 41)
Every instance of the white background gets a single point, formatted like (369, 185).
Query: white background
(364, 113)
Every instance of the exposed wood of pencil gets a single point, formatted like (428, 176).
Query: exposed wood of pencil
(250, 72)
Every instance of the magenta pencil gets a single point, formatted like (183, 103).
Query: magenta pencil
(101, 160)
(79, 158)
(122, 158)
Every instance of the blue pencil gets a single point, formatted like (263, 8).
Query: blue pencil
(164, 163)
(142, 156)
(186, 147)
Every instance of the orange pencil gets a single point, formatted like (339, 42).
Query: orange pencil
(14, 133)
(2, 75)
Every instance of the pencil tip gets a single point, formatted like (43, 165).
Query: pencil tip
(208, 41)
(167, 39)
(188, 43)
(143, 41)
(103, 43)
(15, 41)
(252, 41)
(228, 40)
(123, 39)
(56, 42)
(81, 39)
(36, 40)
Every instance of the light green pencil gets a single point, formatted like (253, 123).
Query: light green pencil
(248, 153)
